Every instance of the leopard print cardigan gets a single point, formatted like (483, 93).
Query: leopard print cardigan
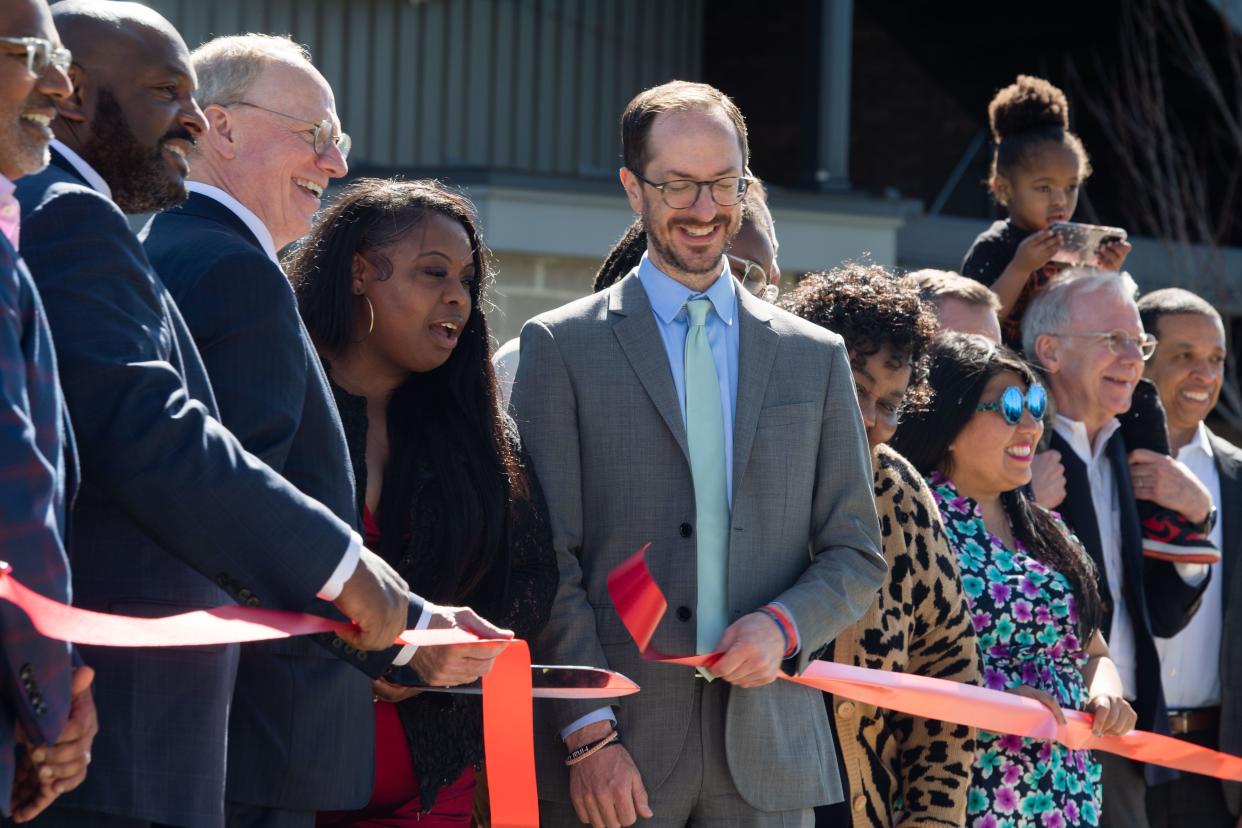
(901, 767)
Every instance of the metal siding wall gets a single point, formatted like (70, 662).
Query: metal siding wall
(524, 85)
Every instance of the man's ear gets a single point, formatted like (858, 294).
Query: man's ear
(220, 134)
(633, 189)
(1048, 353)
(72, 108)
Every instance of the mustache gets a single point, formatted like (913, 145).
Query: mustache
(179, 133)
(39, 101)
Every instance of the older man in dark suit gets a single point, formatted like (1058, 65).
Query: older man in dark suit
(1201, 666)
(1084, 330)
(174, 514)
(48, 711)
(301, 729)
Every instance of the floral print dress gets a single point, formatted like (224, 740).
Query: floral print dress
(1026, 620)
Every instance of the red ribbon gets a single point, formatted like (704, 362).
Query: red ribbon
(641, 605)
(508, 730)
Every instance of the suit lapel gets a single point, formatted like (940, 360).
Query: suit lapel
(1078, 512)
(635, 328)
(757, 345)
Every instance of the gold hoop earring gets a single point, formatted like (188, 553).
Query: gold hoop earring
(371, 327)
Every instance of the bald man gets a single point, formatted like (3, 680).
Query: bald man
(174, 514)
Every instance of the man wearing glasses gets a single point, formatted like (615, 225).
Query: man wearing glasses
(678, 409)
(1084, 330)
(46, 692)
(257, 178)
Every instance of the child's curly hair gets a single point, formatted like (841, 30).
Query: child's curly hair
(870, 307)
(1026, 113)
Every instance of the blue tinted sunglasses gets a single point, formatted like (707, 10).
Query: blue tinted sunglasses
(1012, 400)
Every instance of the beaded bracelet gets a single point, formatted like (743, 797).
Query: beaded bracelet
(586, 751)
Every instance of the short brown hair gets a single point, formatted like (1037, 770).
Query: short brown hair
(674, 96)
(934, 285)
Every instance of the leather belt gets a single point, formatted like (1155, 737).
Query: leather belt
(1182, 722)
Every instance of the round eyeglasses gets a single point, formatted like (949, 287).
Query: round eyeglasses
(753, 277)
(325, 133)
(1011, 402)
(1119, 340)
(40, 54)
(682, 193)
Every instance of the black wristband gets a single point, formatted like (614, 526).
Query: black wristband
(590, 746)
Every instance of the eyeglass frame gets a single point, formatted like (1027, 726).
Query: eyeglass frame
(1025, 403)
(57, 56)
(341, 141)
(1139, 342)
(761, 284)
(744, 182)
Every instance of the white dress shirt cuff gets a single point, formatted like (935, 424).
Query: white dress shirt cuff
(407, 652)
(1192, 573)
(604, 714)
(344, 570)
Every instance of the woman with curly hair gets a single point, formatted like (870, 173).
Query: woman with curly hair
(898, 769)
(1030, 584)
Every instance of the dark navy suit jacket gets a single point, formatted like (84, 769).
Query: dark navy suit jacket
(1160, 602)
(301, 730)
(37, 466)
(173, 512)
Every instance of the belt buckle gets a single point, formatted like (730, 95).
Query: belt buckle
(1179, 722)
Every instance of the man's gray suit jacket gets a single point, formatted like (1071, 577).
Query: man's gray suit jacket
(597, 409)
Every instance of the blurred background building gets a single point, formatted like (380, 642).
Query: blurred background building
(868, 119)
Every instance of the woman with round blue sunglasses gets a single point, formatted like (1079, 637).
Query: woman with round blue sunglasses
(1030, 585)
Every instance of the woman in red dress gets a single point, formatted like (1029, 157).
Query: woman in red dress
(390, 284)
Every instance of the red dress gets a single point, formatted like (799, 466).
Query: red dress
(395, 802)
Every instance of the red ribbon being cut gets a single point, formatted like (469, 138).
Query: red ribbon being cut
(508, 730)
(641, 605)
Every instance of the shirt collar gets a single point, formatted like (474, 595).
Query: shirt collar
(252, 222)
(1199, 442)
(10, 211)
(1075, 433)
(668, 296)
(94, 179)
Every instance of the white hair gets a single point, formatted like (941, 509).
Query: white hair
(228, 66)
(1053, 307)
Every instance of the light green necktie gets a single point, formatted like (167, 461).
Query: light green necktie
(705, 437)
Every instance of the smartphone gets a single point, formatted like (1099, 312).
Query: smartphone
(1080, 243)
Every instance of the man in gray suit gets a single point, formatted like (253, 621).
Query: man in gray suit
(674, 408)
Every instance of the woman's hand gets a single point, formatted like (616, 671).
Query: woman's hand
(1113, 715)
(1041, 697)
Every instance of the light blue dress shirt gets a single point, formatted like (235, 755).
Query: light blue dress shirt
(668, 299)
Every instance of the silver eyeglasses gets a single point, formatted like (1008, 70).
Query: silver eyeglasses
(1119, 340)
(681, 193)
(40, 53)
(325, 134)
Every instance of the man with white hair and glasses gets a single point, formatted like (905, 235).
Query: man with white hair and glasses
(1084, 331)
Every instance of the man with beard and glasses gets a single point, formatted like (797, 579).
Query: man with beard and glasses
(675, 408)
(174, 514)
(254, 189)
(45, 694)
